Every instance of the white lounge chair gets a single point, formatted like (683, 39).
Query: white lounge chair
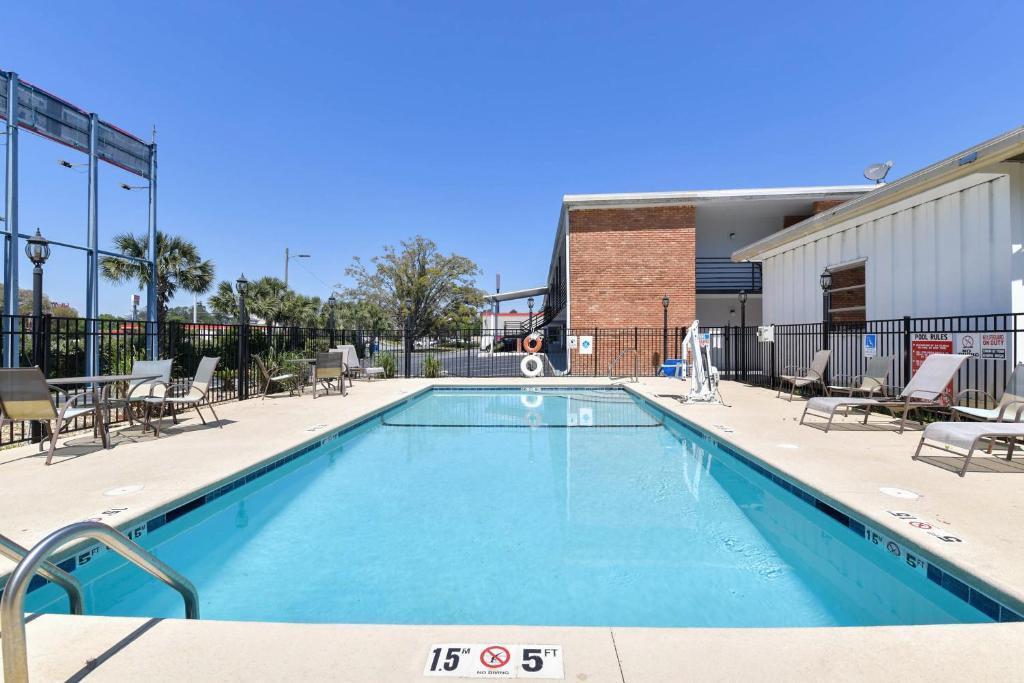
(970, 436)
(198, 393)
(269, 378)
(1011, 400)
(872, 382)
(803, 377)
(25, 395)
(924, 390)
(139, 390)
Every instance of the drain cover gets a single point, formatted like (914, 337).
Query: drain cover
(124, 490)
(899, 493)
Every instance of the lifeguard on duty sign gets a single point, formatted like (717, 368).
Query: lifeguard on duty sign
(495, 660)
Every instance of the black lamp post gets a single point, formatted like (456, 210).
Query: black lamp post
(664, 330)
(742, 296)
(826, 300)
(331, 303)
(242, 287)
(826, 303)
(529, 319)
(37, 248)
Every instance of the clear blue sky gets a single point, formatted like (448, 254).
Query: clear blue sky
(336, 129)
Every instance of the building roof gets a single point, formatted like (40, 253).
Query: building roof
(516, 294)
(1004, 147)
(629, 199)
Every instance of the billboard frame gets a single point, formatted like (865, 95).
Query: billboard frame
(58, 120)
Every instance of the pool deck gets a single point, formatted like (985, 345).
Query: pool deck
(845, 467)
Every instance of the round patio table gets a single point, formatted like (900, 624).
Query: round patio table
(98, 382)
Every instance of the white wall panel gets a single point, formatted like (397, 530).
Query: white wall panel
(947, 254)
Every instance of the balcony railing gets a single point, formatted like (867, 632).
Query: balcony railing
(721, 275)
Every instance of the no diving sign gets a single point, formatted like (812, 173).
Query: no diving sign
(495, 660)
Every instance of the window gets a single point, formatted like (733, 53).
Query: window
(847, 303)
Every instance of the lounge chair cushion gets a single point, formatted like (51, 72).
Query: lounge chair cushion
(829, 404)
(984, 413)
(964, 434)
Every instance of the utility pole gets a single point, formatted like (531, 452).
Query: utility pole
(288, 257)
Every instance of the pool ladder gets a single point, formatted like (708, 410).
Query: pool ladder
(636, 365)
(31, 562)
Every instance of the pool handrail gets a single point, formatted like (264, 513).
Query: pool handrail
(12, 604)
(49, 571)
(636, 364)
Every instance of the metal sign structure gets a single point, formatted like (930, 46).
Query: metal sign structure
(28, 107)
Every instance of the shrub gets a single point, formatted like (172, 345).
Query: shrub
(386, 361)
(432, 366)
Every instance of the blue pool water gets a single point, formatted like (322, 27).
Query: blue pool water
(507, 507)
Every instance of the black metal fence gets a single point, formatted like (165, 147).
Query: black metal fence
(588, 352)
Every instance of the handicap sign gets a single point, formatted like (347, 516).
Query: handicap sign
(870, 345)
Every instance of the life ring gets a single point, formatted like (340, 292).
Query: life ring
(531, 401)
(531, 366)
(533, 419)
(532, 343)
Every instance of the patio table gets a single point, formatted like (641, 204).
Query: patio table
(98, 383)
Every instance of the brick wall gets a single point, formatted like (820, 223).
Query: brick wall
(826, 204)
(623, 261)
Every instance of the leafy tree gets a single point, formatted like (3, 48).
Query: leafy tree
(269, 300)
(417, 285)
(178, 266)
(55, 308)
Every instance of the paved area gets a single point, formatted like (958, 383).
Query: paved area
(848, 467)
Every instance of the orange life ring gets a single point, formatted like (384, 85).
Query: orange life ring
(532, 343)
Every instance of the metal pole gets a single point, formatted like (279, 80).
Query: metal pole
(664, 335)
(286, 267)
(153, 350)
(10, 324)
(743, 337)
(243, 351)
(92, 255)
(37, 336)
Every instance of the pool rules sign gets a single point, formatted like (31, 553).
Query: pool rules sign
(495, 660)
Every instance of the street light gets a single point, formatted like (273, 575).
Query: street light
(742, 296)
(664, 331)
(37, 248)
(288, 257)
(529, 319)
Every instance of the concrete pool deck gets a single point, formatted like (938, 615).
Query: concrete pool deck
(846, 467)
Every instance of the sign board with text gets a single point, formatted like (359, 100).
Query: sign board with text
(983, 345)
(495, 660)
(586, 344)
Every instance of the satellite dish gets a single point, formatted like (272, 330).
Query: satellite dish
(877, 172)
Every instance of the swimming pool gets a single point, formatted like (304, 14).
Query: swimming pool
(539, 507)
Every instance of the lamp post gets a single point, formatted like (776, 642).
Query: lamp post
(826, 301)
(288, 257)
(664, 330)
(742, 296)
(331, 322)
(37, 248)
(242, 286)
(529, 318)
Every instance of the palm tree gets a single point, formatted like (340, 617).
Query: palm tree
(178, 266)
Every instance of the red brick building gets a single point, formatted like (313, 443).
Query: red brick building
(617, 255)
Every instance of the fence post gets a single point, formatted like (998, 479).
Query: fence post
(407, 345)
(725, 350)
(596, 346)
(906, 349)
(771, 372)
(243, 361)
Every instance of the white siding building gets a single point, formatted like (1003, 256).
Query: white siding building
(946, 240)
